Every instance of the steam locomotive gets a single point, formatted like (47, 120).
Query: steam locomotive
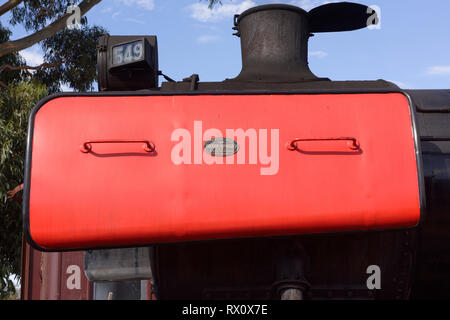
(275, 184)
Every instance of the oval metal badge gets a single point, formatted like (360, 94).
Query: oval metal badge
(221, 147)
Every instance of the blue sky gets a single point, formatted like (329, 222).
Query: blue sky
(412, 48)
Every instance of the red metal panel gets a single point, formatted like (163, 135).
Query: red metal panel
(51, 276)
(74, 284)
(54, 276)
(357, 171)
(31, 279)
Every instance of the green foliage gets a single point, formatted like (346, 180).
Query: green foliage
(74, 51)
(15, 105)
(77, 50)
(14, 59)
(36, 14)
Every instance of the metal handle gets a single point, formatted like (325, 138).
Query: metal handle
(354, 142)
(236, 25)
(87, 146)
(236, 19)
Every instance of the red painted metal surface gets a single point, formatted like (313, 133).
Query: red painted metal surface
(120, 195)
(53, 276)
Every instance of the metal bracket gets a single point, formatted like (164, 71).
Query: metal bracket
(193, 79)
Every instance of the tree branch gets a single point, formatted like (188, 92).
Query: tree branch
(13, 68)
(13, 193)
(47, 32)
(43, 65)
(9, 5)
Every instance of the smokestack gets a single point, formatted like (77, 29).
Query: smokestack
(274, 37)
(274, 44)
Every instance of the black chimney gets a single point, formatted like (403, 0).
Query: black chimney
(274, 44)
(274, 38)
